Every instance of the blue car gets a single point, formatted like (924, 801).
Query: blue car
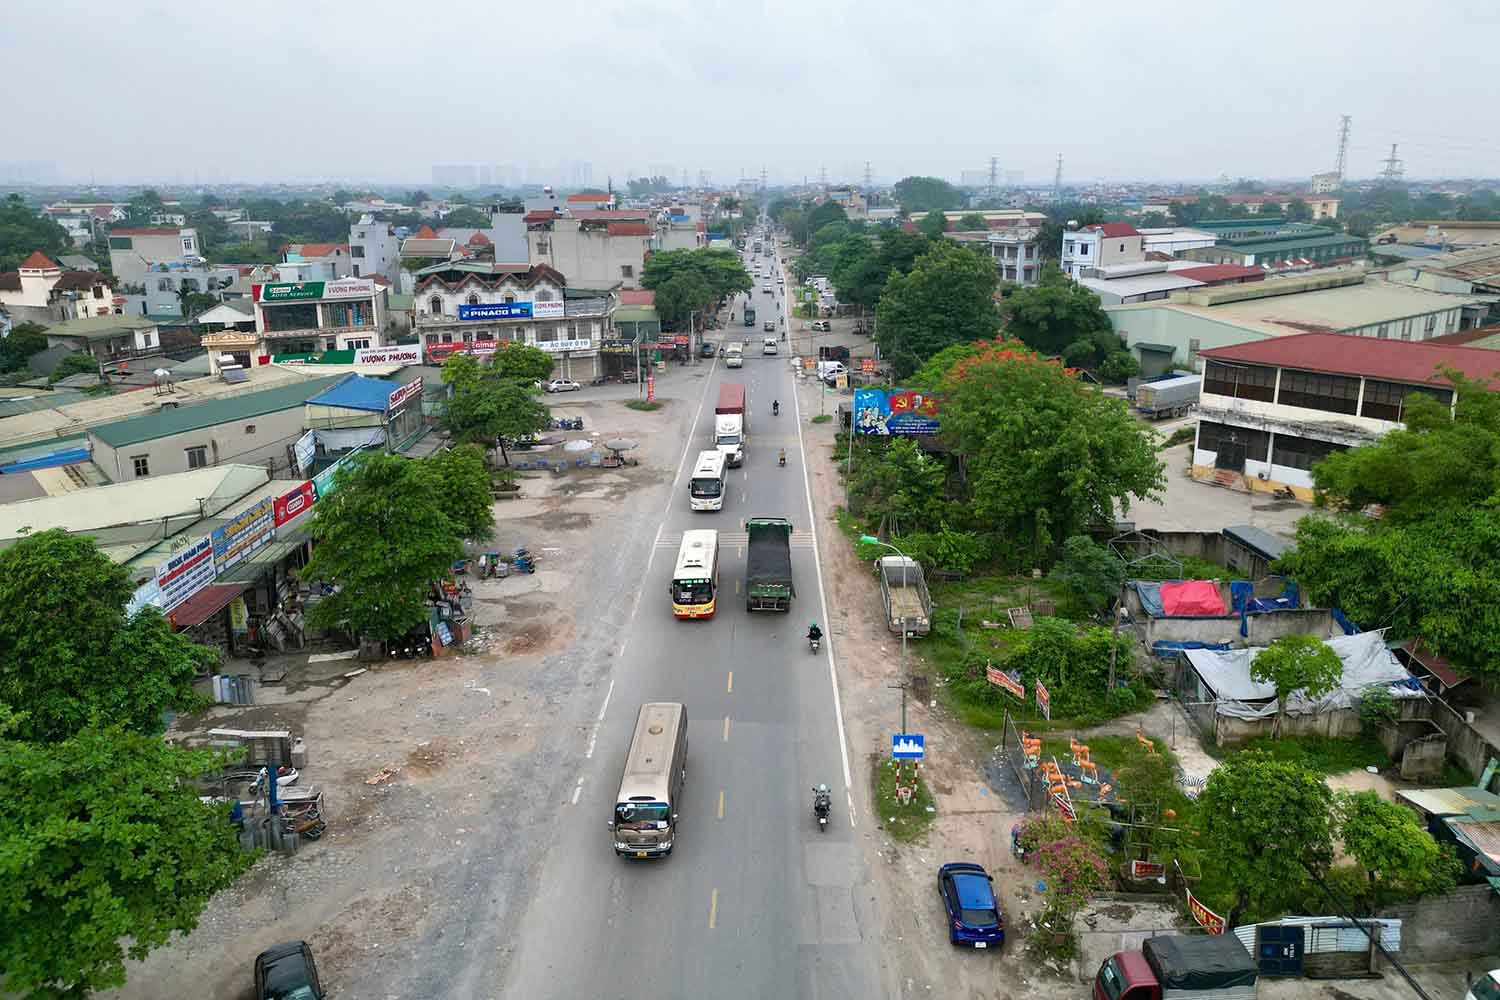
(974, 916)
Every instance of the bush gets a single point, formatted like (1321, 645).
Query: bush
(1375, 707)
(1119, 367)
(1089, 574)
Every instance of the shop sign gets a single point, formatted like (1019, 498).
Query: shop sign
(239, 615)
(1043, 701)
(496, 310)
(650, 388)
(548, 310)
(558, 346)
(867, 366)
(250, 531)
(1011, 682)
(1207, 919)
(402, 393)
(186, 573)
(616, 346)
(399, 354)
(682, 340)
(294, 503)
(878, 412)
(291, 291)
(478, 348)
(305, 448)
(1146, 869)
(349, 288)
(147, 593)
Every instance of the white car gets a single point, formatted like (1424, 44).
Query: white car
(765, 286)
(562, 385)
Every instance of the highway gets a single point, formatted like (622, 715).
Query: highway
(754, 901)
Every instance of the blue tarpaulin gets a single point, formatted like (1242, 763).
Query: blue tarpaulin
(1242, 595)
(1344, 623)
(357, 392)
(1164, 648)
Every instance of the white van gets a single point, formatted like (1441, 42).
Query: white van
(830, 370)
(768, 346)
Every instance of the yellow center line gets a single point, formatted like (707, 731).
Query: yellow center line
(713, 909)
(721, 803)
(726, 729)
(731, 682)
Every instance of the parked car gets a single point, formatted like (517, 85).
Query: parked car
(563, 385)
(974, 916)
(822, 326)
(707, 350)
(769, 326)
(287, 972)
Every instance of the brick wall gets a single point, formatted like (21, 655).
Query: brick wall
(1464, 923)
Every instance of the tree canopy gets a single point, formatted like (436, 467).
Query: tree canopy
(1045, 457)
(927, 194)
(686, 281)
(1387, 841)
(947, 298)
(1261, 821)
(384, 537)
(103, 841)
(972, 222)
(1055, 315)
(467, 217)
(23, 232)
(464, 485)
(1297, 663)
(24, 340)
(69, 655)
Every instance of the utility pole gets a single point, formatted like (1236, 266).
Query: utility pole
(1393, 168)
(1057, 180)
(1341, 162)
(902, 687)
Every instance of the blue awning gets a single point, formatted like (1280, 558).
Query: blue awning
(357, 392)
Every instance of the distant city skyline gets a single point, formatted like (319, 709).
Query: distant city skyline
(1122, 94)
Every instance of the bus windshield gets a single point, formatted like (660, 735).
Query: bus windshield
(706, 487)
(692, 591)
(641, 815)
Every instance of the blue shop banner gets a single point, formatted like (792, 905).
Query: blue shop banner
(496, 310)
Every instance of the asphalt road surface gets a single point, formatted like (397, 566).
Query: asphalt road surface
(754, 901)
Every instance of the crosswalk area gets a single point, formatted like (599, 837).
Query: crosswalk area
(734, 540)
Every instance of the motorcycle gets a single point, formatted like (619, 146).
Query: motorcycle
(523, 561)
(776, 408)
(822, 805)
(781, 459)
(814, 641)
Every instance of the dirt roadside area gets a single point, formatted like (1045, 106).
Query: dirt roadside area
(418, 759)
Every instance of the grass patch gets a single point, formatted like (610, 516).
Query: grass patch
(1181, 435)
(1323, 756)
(902, 822)
(642, 404)
(822, 418)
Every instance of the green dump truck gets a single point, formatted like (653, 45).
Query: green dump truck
(768, 570)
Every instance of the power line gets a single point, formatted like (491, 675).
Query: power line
(1338, 166)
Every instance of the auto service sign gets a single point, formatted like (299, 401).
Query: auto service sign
(397, 354)
(402, 393)
(187, 572)
(248, 532)
(294, 503)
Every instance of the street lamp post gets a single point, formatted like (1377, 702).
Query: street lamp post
(872, 540)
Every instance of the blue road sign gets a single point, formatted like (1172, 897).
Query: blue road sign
(908, 746)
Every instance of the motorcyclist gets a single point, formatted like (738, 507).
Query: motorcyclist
(814, 634)
(782, 457)
(775, 406)
(822, 799)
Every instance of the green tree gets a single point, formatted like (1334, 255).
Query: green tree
(947, 298)
(1090, 574)
(77, 363)
(927, 194)
(105, 852)
(69, 655)
(142, 207)
(464, 485)
(383, 537)
(518, 362)
(466, 217)
(1386, 840)
(1297, 663)
(195, 303)
(23, 232)
(24, 340)
(900, 484)
(933, 225)
(972, 222)
(679, 298)
(1057, 313)
(1044, 456)
(720, 272)
(1119, 367)
(494, 411)
(1262, 820)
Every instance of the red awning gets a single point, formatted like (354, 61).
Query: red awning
(204, 604)
(1192, 597)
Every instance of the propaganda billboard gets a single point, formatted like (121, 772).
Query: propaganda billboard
(899, 413)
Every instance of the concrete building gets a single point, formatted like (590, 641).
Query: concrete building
(318, 261)
(40, 291)
(304, 318)
(1270, 409)
(1148, 281)
(595, 250)
(1173, 332)
(1475, 271)
(133, 250)
(165, 283)
(1017, 252)
(1100, 246)
(257, 428)
(1173, 241)
(108, 338)
(1443, 234)
(374, 249)
(1276, 245)
(474, 306)
(1327, 183)
(1000, 218)
(590, 201)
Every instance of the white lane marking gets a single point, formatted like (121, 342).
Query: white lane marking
(652, 557)
(607, 695)
(577, 791)
(682, 463)
(833, 677)
(593, 738)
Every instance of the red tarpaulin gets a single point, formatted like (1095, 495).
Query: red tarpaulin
(1192, 597)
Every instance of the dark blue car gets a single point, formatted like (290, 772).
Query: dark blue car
(974, 916)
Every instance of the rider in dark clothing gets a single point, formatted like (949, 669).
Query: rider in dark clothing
(814, 633)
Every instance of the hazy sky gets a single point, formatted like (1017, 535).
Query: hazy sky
(379, 90)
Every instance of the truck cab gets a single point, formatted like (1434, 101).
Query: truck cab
(1126, 976)
(729, 438)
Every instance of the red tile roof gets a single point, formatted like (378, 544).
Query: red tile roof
(637, 297)
(323, 249)
(39, 261)
(146, 231)
(1212, 273)
(612, 215)
(1344, 354)
(425, 233)
(540, 215)
(600, 196)
(1435, 664)
(629, 229)
(1465, 336)
(1114, 229)
(479, 240)
(73, 281)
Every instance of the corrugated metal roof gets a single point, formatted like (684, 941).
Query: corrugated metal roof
(1449, 801)
(182, 494)
(1263, 542)
(356, 392)
(1325, 935)
(219, 411)
(1345, 354)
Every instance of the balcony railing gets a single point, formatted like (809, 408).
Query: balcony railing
(302, 333)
